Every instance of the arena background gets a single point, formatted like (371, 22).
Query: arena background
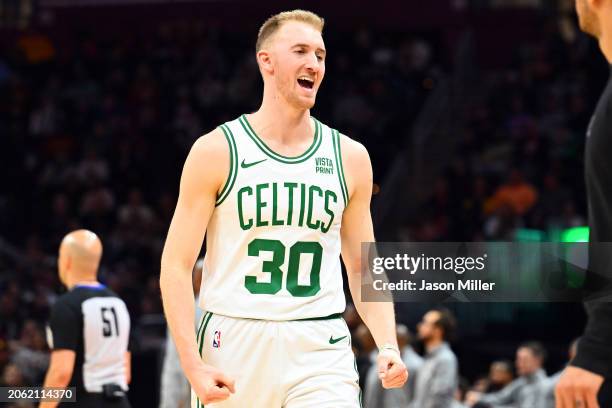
(458, 102)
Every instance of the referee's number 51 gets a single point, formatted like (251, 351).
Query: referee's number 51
(109, 313)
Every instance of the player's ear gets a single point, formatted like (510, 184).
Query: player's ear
(264, 59)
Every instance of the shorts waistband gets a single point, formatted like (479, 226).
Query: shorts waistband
(307, 319)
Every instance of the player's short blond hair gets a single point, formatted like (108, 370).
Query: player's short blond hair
(272, 24)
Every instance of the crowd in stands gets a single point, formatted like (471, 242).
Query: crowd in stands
(519, 160)
(94, 132)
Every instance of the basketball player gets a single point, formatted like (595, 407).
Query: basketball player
(279, 196)
(88, 331)
(582, 380)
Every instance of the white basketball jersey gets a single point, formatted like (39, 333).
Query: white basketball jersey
(273, 241)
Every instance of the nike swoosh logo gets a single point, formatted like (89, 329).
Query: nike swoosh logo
(247, 165)
(334, 341)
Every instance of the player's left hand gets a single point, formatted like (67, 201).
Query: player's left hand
(391, 369)
(577, 388)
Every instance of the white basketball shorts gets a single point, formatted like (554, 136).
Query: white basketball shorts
(281, 364)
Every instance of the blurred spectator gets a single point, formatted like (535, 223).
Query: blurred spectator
(438, 377)
(528, 390)
(30, 353)
(92, 168)
(366, 353)
(570, 218)
(12, 376)
(516, 195)
(45, 119)
(460, 393)
(97, 207)
(500, 375)
(61, 217)
(412, 360)
(351, 317)
(551, 195)
(10, 316)
(4, 354)
(481, 385)
(135, 214)
(36, 47)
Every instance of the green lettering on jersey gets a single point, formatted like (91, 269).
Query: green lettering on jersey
(328, 196)
(311, 190)
(302, 203)
(244, 225)
(314, 213)
(275, 221)
(260, 204)
(290, 187)
(324, 165)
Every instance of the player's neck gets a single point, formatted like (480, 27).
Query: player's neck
(282, 122)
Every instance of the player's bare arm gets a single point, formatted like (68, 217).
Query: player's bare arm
(356, 228)
(59, 372)
(128, 367)
(204, 173)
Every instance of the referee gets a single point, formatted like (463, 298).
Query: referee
(589, 376)
(88, 330)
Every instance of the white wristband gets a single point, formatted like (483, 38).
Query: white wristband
(388, 346)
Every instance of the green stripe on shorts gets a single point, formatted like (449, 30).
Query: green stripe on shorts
(328, 317)
(204, 323)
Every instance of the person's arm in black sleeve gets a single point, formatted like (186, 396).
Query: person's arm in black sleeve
(595, 346)
(64, 332)
(582, 379)
(64, 326)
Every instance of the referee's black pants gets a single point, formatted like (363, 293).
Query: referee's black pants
(95, 400)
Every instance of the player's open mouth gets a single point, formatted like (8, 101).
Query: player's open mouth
(306, 82)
